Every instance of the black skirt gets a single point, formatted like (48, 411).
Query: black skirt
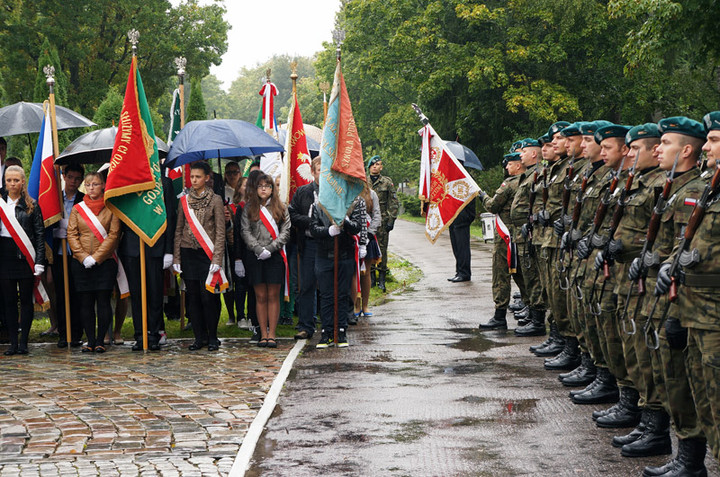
(194, 263)
(271, 271)
(101, 277)
(12, 267)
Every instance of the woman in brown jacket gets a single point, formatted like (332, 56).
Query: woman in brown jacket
(191, 258)
(94, 268)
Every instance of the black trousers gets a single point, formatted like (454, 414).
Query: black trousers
(460, 241)
(154, 282)
(76, 326)
(204, 309)
(88, 302)
(10, 290)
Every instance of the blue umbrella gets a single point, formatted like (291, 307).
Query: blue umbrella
(213, 138)
(465, 155)
(312, 144)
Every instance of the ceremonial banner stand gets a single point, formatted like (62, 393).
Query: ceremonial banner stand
(49, 72)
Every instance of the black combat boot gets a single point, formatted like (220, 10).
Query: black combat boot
(517, 303)
(556, 343)
(606, 391)
(550, 339)
(655, 439)
(568, 359)
(583, 374)
(619, 441)
(689, 462)
(626, 414)
(381, 280)
(523, 314)
(589, 387)
(536, 327)
(497, 322)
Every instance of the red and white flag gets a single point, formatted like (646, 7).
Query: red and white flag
(445, 186)
(504, 234)
(296, 169)
(268, 92)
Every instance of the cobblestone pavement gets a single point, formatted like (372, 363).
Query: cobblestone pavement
(422, 392)
(174, 412)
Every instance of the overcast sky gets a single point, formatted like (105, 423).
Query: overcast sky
(263, 29)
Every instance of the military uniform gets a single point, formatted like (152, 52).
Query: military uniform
(387, 198)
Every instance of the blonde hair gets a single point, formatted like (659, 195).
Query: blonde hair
(29, 203)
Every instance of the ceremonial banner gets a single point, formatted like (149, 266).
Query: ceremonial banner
(342, 170)
(43, 184)
(504, 234)
(268, 92)
(296, 170)
(445, 187)
(176, 174)
(134, 186)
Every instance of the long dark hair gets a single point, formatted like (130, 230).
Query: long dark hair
(252, 200)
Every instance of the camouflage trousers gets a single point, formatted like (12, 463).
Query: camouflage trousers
(556, 296)
(382, 237)
(531, 277)
(669, 374)
(702, 364)
(575, 306)
(501, 277)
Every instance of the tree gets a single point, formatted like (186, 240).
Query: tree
(108, 113)
(49, 56)
(196, 106)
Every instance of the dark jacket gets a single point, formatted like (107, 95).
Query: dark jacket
(352, 225)
(239, 244)
(56, 244)
(299, 209)
(130, 242)
(32, 224)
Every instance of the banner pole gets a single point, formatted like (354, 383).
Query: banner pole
(143, 287)
(181, 62)
(335, 289)
(49, 71)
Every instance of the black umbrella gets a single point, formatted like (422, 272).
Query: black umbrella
(25, 118)
(96, 147)
(465, 155)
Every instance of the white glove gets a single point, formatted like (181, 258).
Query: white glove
(167, 261)
(334, 230)
(264, 255)
(176, 268)
(89, 262)
(39, 269)
(239, 268)
(214, 268)
(362, 252)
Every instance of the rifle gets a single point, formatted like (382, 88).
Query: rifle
(612, 247)
(647, 257)
(575, 220)
(684, 257)
(531, 218)
(567, 187)
(596, 240)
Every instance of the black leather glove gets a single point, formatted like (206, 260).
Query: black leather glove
(565, 241)
(635, 269)
(526, 230)
(559, 227)
(675, 334)
(599, 260)
(583, 249)
(663, 280)
(390, 225)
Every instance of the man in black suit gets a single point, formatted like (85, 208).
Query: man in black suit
(157, 258)
(460, 241)
(73, 175)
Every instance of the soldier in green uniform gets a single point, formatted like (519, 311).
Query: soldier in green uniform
(681, 144)
(697, 308)
(500, 204)
(519, 213)
(387, 195)
(638, 389)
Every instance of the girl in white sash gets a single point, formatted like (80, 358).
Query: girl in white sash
(94, 268)
(265, 226)
(21, 235)
(199, 252)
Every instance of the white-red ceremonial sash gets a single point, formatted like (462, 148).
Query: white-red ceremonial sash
(96, 227)
(10, 222)
(215, 282)
(504, 234)
(271, 226)
(357, 262)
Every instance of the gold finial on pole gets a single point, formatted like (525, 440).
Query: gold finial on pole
(134, 36)
(294, 76)
(267, 74)
(181, 63)
(338, 38)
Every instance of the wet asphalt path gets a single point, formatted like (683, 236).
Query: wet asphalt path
(421, 392)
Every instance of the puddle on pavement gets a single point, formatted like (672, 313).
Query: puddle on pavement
(476, 341)
(410, 431)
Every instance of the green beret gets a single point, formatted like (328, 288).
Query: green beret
(529, 142)
(373, 160)
(572, 130)
(712, 121)
(682, 125)
(557, 127)
(641, 132)
(544, 139)
(588, 129)
(513, 156)
(515, 146)
(613, 130)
